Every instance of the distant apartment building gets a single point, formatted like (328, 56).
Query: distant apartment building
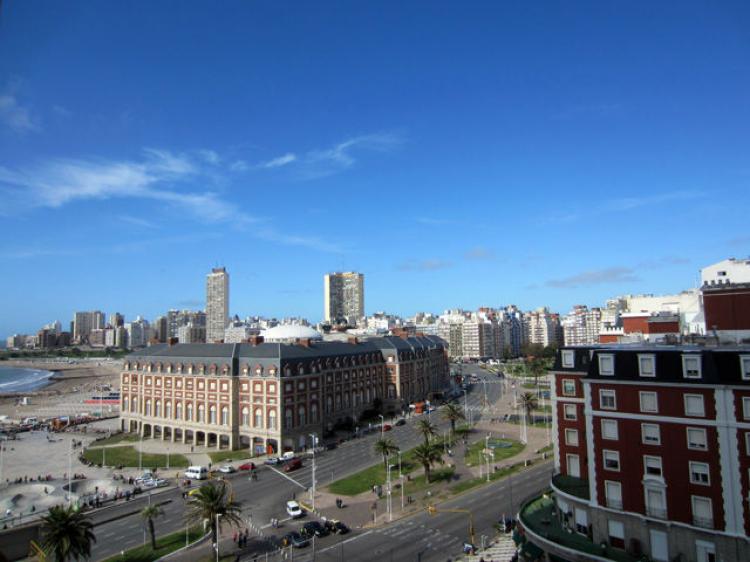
(84, 322)
(543, 327)
(239, 333)
(138, 333)
(160, 327)
(726, 300)
(116, 320)
(651, 456)
(344, 298)
(97, 337)
(191, 334)
(582, 325)
(217, 304)
(177, 318)
(478, 339)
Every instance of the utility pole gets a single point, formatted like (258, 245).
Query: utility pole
(312, 499)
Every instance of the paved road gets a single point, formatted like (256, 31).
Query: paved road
(266, 497)
(439, 537)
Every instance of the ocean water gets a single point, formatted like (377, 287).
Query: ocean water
(13, 379)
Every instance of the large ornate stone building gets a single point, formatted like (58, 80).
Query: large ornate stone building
(273, 396)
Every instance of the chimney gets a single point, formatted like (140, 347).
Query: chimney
(304, 342)
(255, 340)
(353, 340)
(172, 341)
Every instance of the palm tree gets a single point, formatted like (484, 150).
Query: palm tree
(453, 413)
(528, 402)
(426, 429)
(385, 447)
(67, 533)
(427, 455)
(536, 367)
(211, 500)
(149, 513)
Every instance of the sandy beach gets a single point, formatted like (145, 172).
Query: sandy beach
(73, 382)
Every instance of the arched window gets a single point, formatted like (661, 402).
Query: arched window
(258, 417)
(367, 395)
(329, 404)
(302, 413)
(288, 418)
(347, 399)
(201, 413)
(134, 405)
(224, 415)
(313, 413)
(125, 403)
(338, 401)
(245, 416)
(212, 414)
(157, 410)
(168, 409)
(148, 406)
(272, 419)
(178, 410)
(189, 412)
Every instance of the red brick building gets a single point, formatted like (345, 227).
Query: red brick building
(652, 450)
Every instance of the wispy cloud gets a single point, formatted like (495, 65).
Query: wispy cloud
(137, 221)
(287, 158)
(623, 204)
(660, 263)
(56, 183)
(424, 265)
(239, 166)
(311, 242)
(342, 156)
(479, 253)
(15, 116)
(595, 277)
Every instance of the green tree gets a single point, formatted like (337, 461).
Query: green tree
(427, 455)
(453, 413)
(67, 534)
(528, 402)
(537, 367)
(211, 500)
(385, 447)
(149, 513)
(426, 429)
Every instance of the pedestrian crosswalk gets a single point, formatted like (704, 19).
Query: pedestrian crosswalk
(429, 537)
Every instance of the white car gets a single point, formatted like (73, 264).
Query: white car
(147, 475)
(154, 483)
(227, 469)
(294, 510)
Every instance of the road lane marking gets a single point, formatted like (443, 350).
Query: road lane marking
(288, 477)
(338, 544)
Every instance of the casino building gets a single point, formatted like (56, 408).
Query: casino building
(652, 456)
(272, 397)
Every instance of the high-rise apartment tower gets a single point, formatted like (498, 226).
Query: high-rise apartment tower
(217, 304)
(344, 297)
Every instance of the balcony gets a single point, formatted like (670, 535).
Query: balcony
(705, 522)
(657, 512)
(571, 485)
(539, 517)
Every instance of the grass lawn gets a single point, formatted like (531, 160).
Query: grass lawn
(547, 408)
(164, 545)
(128, 456)
(419, 483)
(219, 457)
(474, 482)
(118, 438)
(474, 452)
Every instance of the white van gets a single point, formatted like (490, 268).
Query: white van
(196, 473)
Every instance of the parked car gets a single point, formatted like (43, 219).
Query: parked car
(401, 421)
(247, 466)
(293, 464)
(147, 475)
(154, 483)
(273, 460)
(313, 528)
(335, 526)
(196, 473)
(227, 469)
(288, 455)
(293, 509)
(387, 427)
(294, 539)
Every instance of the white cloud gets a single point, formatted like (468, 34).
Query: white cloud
(239, 166)
(15, 116)
(58, 182)
(287, 158)
(595, 277)
(312, 242)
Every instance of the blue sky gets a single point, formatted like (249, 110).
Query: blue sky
(459, 154)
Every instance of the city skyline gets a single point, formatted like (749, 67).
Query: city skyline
(490, 154)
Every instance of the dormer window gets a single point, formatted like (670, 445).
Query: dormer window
(568, 359)
(745, 367)
(646, 365)
(691, 366)
(607, 365)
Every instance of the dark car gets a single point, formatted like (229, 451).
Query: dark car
(340, 528)
(401, 421)
(293, 464)
(294, 539)
(313, 528)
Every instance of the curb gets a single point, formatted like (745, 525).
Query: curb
(128, 514)
(184, 548)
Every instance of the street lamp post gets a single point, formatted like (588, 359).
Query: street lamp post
(388, 488)
(70, 472)
(217, 536)
(312, 499)
(140, 453)
(382, 426)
